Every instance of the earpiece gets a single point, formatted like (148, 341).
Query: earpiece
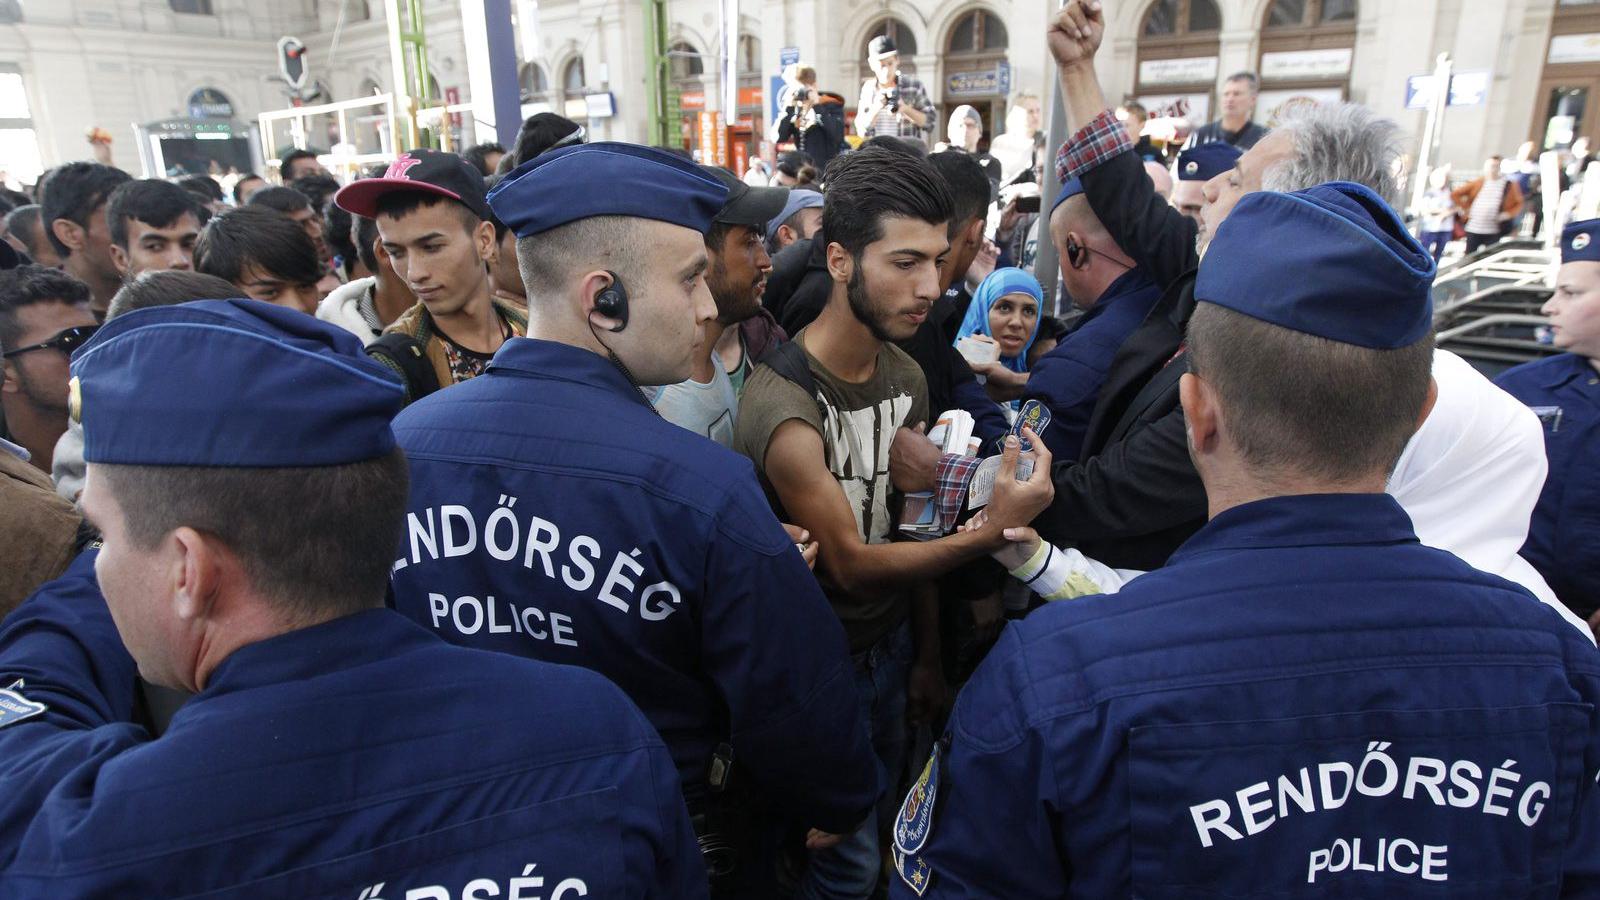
(1075, 253)
(612, 302)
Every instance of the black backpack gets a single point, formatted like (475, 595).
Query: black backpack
(406, 356)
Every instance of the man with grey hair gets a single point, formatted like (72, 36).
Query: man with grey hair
(1133, 495)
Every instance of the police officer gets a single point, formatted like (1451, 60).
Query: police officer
(1306, 702)
(243, 473)
(553, 514)
(1196, 166)
(1564, 391)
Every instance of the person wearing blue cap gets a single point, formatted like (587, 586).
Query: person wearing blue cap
(1564, 391)
(1307, 701)
(1115, 293)
(800, 220)
(554, 514)
(245, 478)
(1195, 167)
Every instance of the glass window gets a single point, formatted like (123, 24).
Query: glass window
(192, 7)
(1564, 116)
(686, 61)
(965, 38)
(10, 12)
(1204, 16)
(749, 54)
(1287, 14)
(994, 32)
(904, 41)
(13, 97)
(1338, 10)
(573, 81)
(1162, 19)
(533, 82)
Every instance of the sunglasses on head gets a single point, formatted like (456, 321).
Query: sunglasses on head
(67, 341)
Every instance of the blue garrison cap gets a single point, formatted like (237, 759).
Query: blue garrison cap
(1204, 162)
(1333, 260)
(1070, 188)
(230, 383)
(1580, 241)
(606, 179)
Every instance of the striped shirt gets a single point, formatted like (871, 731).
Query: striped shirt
(1484, 217)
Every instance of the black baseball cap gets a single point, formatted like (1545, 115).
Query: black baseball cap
(427, 171)
(746, 205)
(880, 46)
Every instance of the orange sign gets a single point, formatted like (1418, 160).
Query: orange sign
(692, 100)
(750, 96)
(713, 144)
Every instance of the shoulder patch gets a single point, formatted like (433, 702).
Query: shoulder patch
(915, 821)
(914, 871)
(14, 707)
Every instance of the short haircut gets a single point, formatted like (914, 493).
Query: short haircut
(1135, 108)
(29, 285)
(1301, 405)
(24, 222)
(286, 164)
(903, 146)
(203, 186)
(337, 223)
(318, 189)
(14, 199)
(282, 199)
(313, 540)
(238, 186)
(500, 228)
(399, 204)
(157, 203)
(539, 133)
(969, 184)
(365, 235)
(874, 183)
(1338, 142)
(1247, 77)
(551, 259)
(794, 164)
(168, 287)
(260, 237)
(478, 155)
(73, 192)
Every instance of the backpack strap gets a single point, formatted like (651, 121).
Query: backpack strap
(788, 359)
(408, 358)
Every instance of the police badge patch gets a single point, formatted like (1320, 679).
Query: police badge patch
(914, 871)
(915, 822)
(1191, 168)
(14, 707)
(1580, 241)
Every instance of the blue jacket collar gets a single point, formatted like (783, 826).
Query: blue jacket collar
(1127, 285)
(343, 643)
(1558, 371)
(1306, 520)
(562, 362)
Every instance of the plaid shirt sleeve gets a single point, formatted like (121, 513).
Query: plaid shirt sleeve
(1096, 142)
(954, 474)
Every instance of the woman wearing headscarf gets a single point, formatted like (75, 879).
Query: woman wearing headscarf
(1005, 312)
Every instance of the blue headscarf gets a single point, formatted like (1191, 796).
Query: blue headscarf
(1000, 283)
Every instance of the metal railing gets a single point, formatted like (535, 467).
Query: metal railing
(1445, 308)
(1495, 319)
(380, 107)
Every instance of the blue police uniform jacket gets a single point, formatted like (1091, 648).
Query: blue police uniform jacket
(553, 514)
(1306, 702)
(1068, 378)
(1564, 534)
(361, 757)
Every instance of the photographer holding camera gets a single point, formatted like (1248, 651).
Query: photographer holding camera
(892, 103)
(812, 120)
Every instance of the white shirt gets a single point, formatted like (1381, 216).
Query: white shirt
(706, 409)
(1470, 476)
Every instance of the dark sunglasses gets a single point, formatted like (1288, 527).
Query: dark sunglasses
(67, 341)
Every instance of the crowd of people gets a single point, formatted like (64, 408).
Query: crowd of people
(574, 520)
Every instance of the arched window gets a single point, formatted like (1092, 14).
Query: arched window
(1178, 50)
(1307, 53)
(573, 80)
(979, 31)
(533, 83)
(749, 55)
(684, 61)
(905, 43)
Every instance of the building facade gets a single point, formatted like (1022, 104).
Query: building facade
(1526, 69)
